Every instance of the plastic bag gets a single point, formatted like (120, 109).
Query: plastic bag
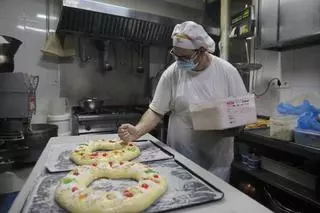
(309, 121)
(289, 109)
(308, 114)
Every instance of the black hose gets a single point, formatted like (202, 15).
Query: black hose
(268, 87)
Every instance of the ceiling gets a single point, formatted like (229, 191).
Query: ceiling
(196, 4)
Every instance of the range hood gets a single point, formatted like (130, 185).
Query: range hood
(107, 21)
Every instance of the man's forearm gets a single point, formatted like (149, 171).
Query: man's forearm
(148, 122)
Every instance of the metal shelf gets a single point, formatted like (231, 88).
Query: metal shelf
(261, 137)
(281, 183)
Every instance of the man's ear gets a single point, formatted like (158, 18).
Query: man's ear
(202, 50)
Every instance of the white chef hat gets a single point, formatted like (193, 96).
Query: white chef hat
(190, 35)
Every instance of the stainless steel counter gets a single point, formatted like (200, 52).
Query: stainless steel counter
(234, 201)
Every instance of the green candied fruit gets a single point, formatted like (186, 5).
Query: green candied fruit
(149, 171)
(135, 190)
(132, 149)
(66, 180)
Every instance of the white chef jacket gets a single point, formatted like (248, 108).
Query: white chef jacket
(176, 90)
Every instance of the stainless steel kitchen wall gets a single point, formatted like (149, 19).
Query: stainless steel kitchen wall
(121, 86)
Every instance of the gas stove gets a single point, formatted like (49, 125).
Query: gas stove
(105, 120)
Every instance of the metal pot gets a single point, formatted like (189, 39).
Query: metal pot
(91, 104)
(37, 139)
(8, 48)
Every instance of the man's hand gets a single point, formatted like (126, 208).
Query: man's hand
(149, 121)
(128, 133)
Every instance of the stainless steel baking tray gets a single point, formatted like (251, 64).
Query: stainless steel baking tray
(185, 189)
(59, 155)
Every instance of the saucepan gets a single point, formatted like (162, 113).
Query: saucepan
(91, 104)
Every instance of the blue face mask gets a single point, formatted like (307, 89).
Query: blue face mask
(186, 65)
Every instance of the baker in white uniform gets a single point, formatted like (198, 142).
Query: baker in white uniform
(196, 76)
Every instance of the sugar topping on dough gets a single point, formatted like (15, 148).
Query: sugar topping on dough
(117, 150)
(73, 194)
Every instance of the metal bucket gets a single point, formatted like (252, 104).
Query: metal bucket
(38, 138)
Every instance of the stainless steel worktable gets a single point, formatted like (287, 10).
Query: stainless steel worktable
(234, 201)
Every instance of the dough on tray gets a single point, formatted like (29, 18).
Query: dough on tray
(120, 151)
(73, 194)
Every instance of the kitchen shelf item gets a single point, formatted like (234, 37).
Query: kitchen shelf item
(251, 161)
(62, 121)
(37, 138)
(281, 183)
(261, 137)
(254, 162)
(281, 127)
(244, 159)
(307, 137)
(262, 123)
(289, 172)
(277, 206)
(5, 164)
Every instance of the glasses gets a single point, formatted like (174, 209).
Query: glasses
(182, 57)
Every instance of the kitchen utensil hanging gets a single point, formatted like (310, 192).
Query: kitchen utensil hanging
(107, 65)
(83, 51)
(249, 67)
(140, 67)
(103, 48)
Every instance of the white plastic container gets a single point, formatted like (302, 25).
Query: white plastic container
(62, 121)
(281, 127)
(224, 113)
(58, 106)
(307, 137)
(66, 134)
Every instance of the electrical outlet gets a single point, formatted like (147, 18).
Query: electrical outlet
(284, 85)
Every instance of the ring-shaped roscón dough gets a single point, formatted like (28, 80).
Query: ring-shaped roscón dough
(120, 151)
(73, 194)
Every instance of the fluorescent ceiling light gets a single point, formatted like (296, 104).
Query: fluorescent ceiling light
(34, 29)
(43, 16)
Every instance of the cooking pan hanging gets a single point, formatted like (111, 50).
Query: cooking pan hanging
(140, 67)
(91, 104)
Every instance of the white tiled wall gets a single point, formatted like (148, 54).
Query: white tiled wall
(271, 61)
(19, 19)
(299, 67)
